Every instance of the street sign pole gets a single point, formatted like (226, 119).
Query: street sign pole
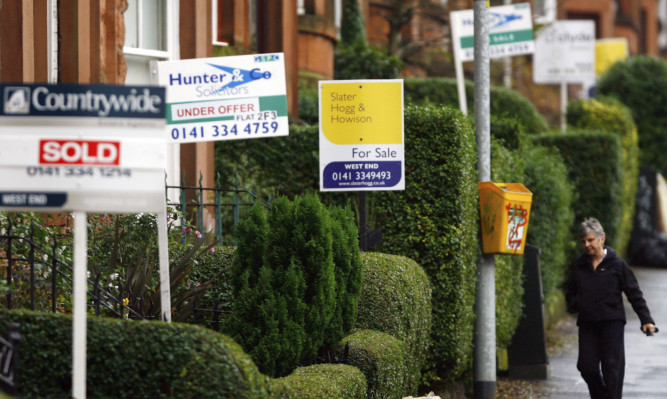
(79, 294)
(484, 383)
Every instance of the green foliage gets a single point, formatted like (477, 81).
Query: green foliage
(434, 221)
(507, 167)
(593, 161)
(640, 82)
(504, 102)
(130, 359)
(279, 166)
(309, 111)
(380, 357)
(348, 274)
(396, 299)
(551, 215)
(352, 27)
(331, 381)
(360, 60)
(286, 283)
(612, 116)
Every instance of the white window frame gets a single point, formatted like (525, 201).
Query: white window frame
(545, 11)
(171, 21)
(214, 25)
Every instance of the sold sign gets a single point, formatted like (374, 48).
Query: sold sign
(79, 152)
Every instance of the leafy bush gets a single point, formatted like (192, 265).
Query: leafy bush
(593, 161)
(285, 282)
(640, 82)
(360, 60)
(507, 167)
(380, 357)
(331, 381)
(434, 221)
(130, 359)
(396, 299)
(551, 215)
(612, 116)
(504, 102)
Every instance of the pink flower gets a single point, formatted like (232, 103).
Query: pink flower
(198, 234)
(212, 250)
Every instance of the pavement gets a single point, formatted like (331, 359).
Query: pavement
(645, 357)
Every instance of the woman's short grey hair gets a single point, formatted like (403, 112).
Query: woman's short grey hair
(591, 225)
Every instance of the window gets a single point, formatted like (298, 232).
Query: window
(150, 35)
(545, 11)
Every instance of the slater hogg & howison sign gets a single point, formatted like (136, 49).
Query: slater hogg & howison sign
(361, 135)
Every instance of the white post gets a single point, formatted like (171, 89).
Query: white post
(79, 294)
(460, 85)
(563, 106)
(163, 247)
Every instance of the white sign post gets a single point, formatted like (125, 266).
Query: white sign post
(510, 34)
(85, 148)
(565, 53)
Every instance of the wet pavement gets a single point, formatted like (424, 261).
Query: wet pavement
(646, 357)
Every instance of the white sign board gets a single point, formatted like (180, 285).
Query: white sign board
(225, 98)
(90, 148)
(361, 135)
(510, 32)
(565, 52)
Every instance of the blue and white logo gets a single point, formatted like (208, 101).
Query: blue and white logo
(16, 100)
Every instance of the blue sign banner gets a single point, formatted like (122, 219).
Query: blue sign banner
(362, 174)
(76, 100)
(24, 199)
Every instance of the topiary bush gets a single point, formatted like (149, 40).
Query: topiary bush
(379, 356)
(396, 299)
(130, 359)
(285, 284)
(551, 215)
(507, 167)
(593, 161)
(434, 221)
(331, 381)
(612, 116)
(640, 82)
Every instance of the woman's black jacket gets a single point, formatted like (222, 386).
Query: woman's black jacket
(596, 294)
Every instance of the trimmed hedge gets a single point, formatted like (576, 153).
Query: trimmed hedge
(593, 161)
(130, 359)
(507, 167)
(612, 116)
(551, 215)
(640, 82)
(331, 381)
(503, 102)
(396, 299)
(434, 221)
(380, 357)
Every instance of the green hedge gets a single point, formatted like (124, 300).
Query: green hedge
(380, 357)
(612, 116)
(640, 82)
(396, 299)
(503, 102)
(507, 167)
(434, 221)
(593, 161)
(331, 381)
(551, 215)
(130, 359)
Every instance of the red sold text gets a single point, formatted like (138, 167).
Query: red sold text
(79, 152)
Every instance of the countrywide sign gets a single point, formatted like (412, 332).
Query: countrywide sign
(225, 98)
(91, 148)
